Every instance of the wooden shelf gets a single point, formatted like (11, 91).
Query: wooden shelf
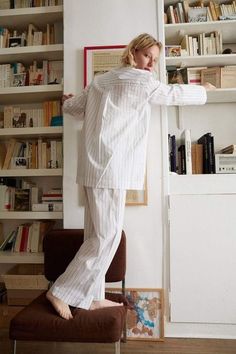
(22, 172)
(222, 96)
(17, 18)
(30, 53)
(30, 94)
(21, 257)
(203, 60)
(28, 133)
(29, 215)
(175, 32)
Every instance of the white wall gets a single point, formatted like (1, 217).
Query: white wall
(111, 22)
(107, 22)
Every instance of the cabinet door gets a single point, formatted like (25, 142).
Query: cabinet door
(203, 258)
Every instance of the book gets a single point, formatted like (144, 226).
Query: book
(1, 233)
(230, 149)
(24, 237)
(22, 200)
(186, 141)
(172, 153)
(4, 200)
(192, 75)
(180, 12)
(47, 206)
(9, 153)
(181, 160)
(2, 154)
(34, 236)
(185, 44)
(170, 14)
(197, 158)
(45, 227)
(228, 76)
(7, 244)
(207, 141)
(37, 232)
(197, 14)
(18, 238)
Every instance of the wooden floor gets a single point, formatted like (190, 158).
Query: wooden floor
(169, 346)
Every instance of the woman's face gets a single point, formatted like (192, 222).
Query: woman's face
(146, 59)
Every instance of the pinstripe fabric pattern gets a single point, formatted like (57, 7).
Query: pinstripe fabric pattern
(83, 280)
(112, 158)
(116, 109)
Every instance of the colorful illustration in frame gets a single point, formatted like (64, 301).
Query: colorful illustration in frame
(145, 320)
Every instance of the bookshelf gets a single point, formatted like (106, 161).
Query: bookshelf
(23, 215)
(42, 52)
(29, 94)
(198, 206)
(30, 97)
(21, 257)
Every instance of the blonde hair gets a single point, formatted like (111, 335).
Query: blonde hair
(143, 41)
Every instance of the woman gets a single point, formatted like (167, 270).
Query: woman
(115, 108)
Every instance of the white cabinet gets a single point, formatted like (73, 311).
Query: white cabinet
(32, 96)
(199, 222)
(202, 258)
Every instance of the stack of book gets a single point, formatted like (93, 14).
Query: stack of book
(192, 158)
(31, 154)
(212, 11)
(16, 74)
(27, 237)
(20, 117)
(51, 201)
(202, 44)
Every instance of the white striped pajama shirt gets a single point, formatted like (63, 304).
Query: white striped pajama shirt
(115, 108)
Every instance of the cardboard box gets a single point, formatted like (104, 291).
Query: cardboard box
(24, 283)
(220, 77)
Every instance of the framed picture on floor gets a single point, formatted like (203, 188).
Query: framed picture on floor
(145, 320)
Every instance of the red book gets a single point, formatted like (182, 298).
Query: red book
(24, 238)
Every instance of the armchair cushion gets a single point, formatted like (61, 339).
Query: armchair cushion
(39, 322)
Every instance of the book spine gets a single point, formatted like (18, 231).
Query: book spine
(188, 154)
(47, 207)
(204, 143)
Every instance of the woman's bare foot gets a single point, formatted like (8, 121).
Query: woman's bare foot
(61, 307)
(103, 303)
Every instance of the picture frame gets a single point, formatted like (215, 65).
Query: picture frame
(145, 321)
(98, 60)
(19, 162)
(137, 197)
(19, 80)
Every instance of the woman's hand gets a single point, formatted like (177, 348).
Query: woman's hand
(208, 86)
(66, 97)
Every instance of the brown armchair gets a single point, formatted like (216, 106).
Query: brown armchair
(39, 321)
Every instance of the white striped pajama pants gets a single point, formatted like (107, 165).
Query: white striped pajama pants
(84, 279)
